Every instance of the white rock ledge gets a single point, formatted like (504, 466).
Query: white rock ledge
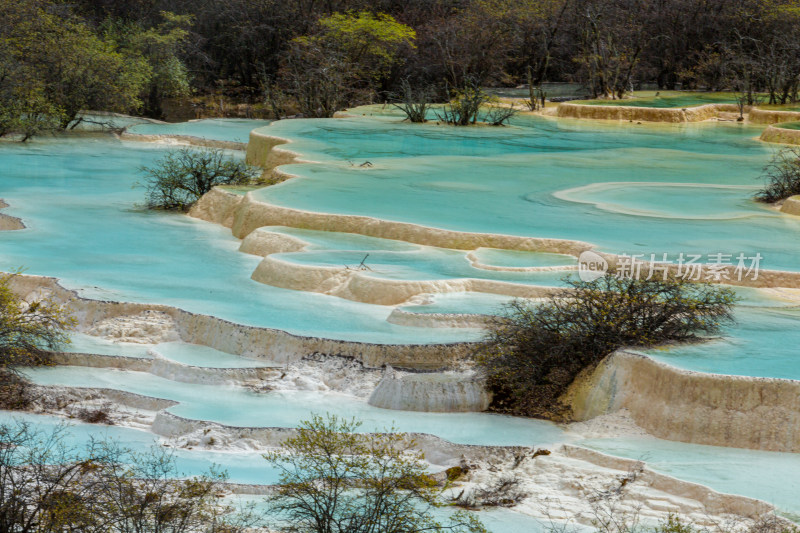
(188, 140)
(686, 406)
(244, 215)
(275, 346)
(7, 222)
(444, 392)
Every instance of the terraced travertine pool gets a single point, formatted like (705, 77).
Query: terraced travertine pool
(789, 125)
(622, 188)
(625, 188)
(664, 99)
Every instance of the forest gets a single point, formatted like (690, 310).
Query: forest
(312, 58)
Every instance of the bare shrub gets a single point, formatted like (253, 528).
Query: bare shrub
(29, 332)
(47, 485)
(15, 392)
(97, 415)
(781, 176)
(505, 491)
(499, 115)
(413, 102)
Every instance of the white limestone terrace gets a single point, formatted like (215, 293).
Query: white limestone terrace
(141, 329)
(560, 482)
(688, 417)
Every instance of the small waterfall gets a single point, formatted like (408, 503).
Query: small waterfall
(448, 392)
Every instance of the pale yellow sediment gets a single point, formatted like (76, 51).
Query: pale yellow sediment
(366, 287)
(476, 263)
(218, 206)
(265, 151)
(645, 114)
(791, 206)
(189, 140)
(7, 222)
(776, 134)
(447, 392)
(438, 320)
(168, 369)
(263, 242)
(713, 502)
(772, 116)
(686, 406)
(248, 214)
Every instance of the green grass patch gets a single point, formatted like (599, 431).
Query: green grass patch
(788, 125)
(666, 99)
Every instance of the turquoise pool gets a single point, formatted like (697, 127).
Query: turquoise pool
(627, 189)
(559, 179)
(79, 201)
(237, 406)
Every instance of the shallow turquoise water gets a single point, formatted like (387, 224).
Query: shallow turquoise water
(180, 352)
(522, 180)
(612, 186)
(460, 302)
(227, 129)
(78, 201)
(399, 260)
(240, 407)
(762, 343)
(520, 259)
(242, 467)
(81, 343)
(769, 476)
(329, 240)
(424, 264)
(664, 189)
(203, 356)
(789, 125)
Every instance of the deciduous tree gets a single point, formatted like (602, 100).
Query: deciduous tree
(336, 480)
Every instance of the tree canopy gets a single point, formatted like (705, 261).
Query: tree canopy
(314, 58)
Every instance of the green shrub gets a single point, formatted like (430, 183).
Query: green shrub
(535, 351)
(464, 107)
(182, 176)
